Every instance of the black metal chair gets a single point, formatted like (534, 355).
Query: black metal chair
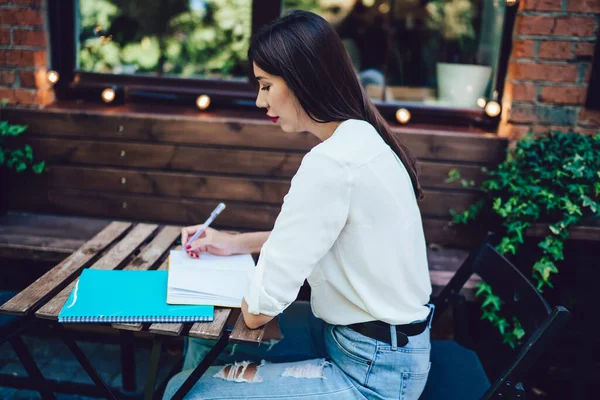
(457, 371)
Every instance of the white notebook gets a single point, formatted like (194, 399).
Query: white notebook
(209, 280)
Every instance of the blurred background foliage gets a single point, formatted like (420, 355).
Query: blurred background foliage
(187, 38)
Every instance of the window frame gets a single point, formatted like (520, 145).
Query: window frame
(74, 84)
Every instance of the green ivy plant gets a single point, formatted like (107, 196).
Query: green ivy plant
(555, 179)
(17, 159)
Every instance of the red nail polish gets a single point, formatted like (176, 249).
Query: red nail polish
(189, 246)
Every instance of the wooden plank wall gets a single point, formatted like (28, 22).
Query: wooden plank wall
(174, 169)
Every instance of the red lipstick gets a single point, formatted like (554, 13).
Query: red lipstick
(274, 119)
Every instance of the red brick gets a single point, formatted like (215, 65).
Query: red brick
(584, 6)
(541, 5)
(523, 113)
(34, 79)
(588, 73)
(535, 25)
(587, 131)
(7, 77)
(526, 92)
(4, 36)
(556, 50)
(25, 97)
(563, 95)
(584, 49)
(21, 17)
(23, 37)
(27, 79)
(544, 129)
(23, 58)
(542, 72)
(522, 49)
(31, 3)
(575, 26)
(589, 117)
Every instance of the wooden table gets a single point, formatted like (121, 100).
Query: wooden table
(121, 245)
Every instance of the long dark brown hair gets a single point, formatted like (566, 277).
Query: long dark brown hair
(304, 50)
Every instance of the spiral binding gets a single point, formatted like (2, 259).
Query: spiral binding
(138, 319)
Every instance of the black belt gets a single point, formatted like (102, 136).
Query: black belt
(380, 330)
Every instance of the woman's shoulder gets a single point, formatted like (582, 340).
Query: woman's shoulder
(352, 141)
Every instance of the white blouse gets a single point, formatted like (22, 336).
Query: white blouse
(351, 226)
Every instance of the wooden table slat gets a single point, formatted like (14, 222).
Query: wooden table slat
(110, 260)
(170, 329)
(146, 259)
(55, 279)
(211, 330)
(243, 335)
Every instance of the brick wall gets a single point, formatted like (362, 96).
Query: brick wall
(550, 68)
(24, 53)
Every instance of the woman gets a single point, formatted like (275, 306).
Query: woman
(350, 225)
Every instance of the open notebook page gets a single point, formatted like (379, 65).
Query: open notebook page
(209, 280)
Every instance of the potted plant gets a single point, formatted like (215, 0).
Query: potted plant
(460, 80)
(13, 158)
(552, 179)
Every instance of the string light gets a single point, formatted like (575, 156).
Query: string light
(108, 95)
(492, 108)
(368, 3)
(203, 101)
(511, 2)
(384, 8)
(481, 102)
(403, 115)
(52, 77)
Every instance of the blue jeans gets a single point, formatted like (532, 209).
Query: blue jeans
(314, 360)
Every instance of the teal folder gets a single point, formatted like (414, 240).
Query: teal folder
(123, 296)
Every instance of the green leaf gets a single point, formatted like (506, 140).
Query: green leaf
(493, 301)
(39, 167)
(16, 130)
(28, 152)
(587, 202)
(483, 288)
(20, 166)
(453, 175)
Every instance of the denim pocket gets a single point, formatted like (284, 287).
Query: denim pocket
(413, 383)
(346, 340)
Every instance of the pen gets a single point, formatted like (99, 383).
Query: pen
(206, 223)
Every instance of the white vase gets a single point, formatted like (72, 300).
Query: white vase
(460, 85)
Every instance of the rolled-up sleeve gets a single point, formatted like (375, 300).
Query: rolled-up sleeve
(313, 213)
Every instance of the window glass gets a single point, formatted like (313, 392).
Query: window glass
(181, 38)
(439, 52)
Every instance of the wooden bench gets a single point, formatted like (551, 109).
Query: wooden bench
(128, 246)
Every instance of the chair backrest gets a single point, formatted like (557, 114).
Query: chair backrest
(519, 298)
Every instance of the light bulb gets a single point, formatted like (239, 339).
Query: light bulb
(403, 115)
(52, 77)
(384, 8)
(203, 101)
(481, 102)
(368, 3)
(492, 108)
(511, 2)
(108, 95)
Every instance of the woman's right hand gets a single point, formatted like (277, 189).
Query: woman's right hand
(210, 241)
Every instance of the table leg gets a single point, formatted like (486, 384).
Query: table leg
(127, 361)
(153, 368)
(31, 368)
(203, 366)
(84, 362)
